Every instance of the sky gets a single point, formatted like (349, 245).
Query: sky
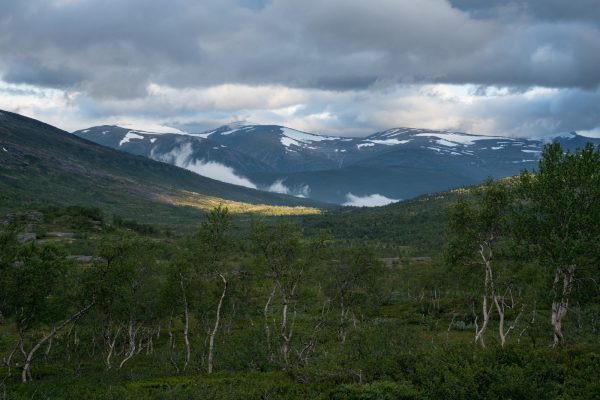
(524, 68)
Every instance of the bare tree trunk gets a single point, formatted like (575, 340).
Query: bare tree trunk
(560, 307)
(48, 348)
(7, 360)
(111, 348)
(309, 348)
(485, 250)
(150, 347)
(140, 346)
(170, 332)
(186, 325)
(285, 336)
(26, 373)
(501, 305)
(171, 343)
(267, 328)
(341, 330)
(131, 334)
(211, 341)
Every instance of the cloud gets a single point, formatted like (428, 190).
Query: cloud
(522, 112)
(182, 157)
(219, 172)
(551, 10)
(335, 45)
(279, 187)
(345, 67)
(373, 200)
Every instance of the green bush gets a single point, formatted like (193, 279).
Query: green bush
(381, 390)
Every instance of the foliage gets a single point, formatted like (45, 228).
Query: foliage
(372, 308)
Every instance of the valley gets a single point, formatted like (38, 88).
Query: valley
(125, 277)
(396, 164)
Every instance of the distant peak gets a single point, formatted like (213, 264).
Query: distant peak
(150, 128)
(239, 124)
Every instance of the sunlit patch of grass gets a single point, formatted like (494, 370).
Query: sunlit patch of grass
(203, 202)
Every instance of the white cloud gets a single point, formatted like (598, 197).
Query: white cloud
(593, 133)
(373, 200)
(279, 187)
(182, 157)
(530, 112)
(219, 172)
(338, 67)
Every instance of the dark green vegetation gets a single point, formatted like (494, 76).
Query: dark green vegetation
(384, 303)
(41, 165)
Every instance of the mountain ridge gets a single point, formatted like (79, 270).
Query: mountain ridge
(45, 165)
(397, 163)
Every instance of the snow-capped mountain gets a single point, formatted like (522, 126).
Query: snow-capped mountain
(395, 164)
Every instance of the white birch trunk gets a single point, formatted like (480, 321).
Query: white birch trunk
(211, 340)
(26, 373)
(111, 348)
(186, 326)
(560, 307)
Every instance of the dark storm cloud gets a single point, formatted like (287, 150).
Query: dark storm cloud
(114, 48)
(30, 72)
(343, 65)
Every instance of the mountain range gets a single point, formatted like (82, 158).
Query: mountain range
(42, 165)
(383, 167)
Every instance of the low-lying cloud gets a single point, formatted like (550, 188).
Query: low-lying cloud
(182, 157)
(279, 187)
(373, 200)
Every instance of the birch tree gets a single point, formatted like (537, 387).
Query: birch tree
(43, 296)
(128, 294)
(355, 283)
(214, 245)
(279, 247)
(558, 213)
(179, 297)
(474, 228)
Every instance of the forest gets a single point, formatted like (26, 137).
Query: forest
(487, 292)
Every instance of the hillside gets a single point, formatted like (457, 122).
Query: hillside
(380, 311)
(396, 164)
(40, 164)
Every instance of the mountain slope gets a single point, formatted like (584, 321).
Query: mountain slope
(42, 164)
(395, 164)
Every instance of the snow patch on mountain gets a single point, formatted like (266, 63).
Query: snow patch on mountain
(228, 132)
(361, 145)
(390, 142)
(287, 142)
(458, 137)
(373, 200)
(130, 135)
(444, 142)
(304, 137)
(151, 128)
